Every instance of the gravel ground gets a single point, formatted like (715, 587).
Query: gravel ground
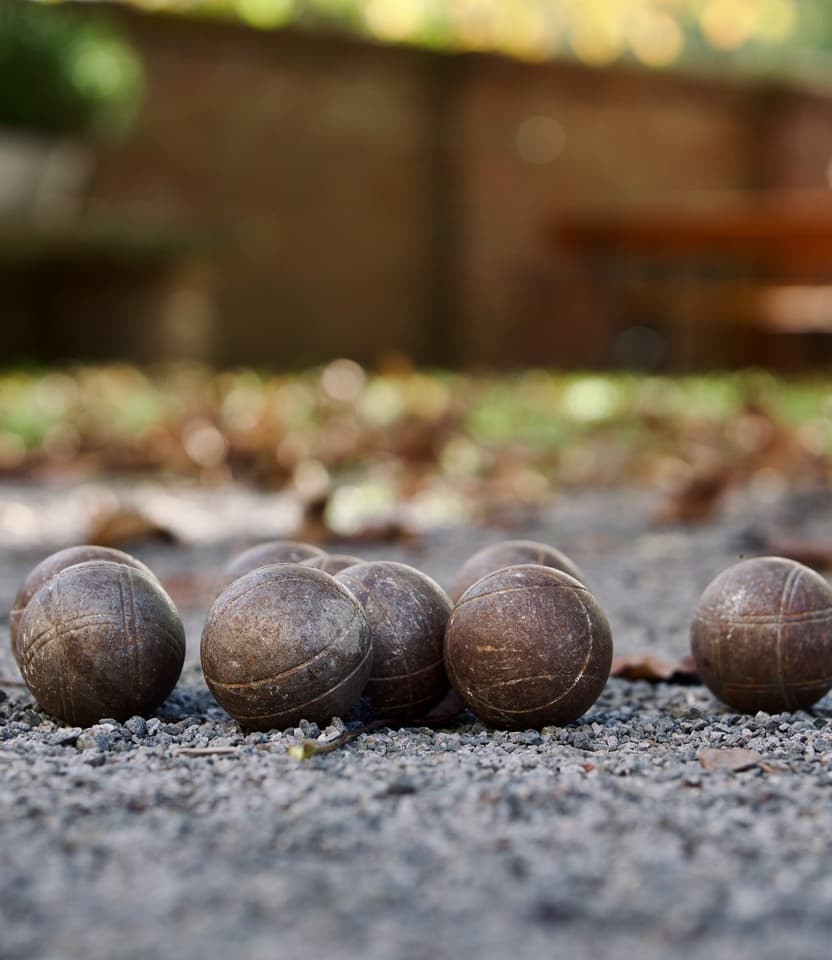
(603, 839)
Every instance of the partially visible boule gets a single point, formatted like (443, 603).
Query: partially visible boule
(52, 565)
(100, 639)
(333, 562)
(264, 554)
(508, 553)
(761, 636)
(283, 643)
(407, 613)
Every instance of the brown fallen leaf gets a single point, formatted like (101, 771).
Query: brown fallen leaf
(385, 531)
(124, 525)
(451, 707)
(733, 759)
(191, 590)
(646, 666)
(816, 554)
(697, 500)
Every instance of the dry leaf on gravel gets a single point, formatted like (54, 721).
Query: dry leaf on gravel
(646, 666)
(733, 759)
(448, 709)
(697, 500)
(123, 526)
(816, 554)
(191, 590)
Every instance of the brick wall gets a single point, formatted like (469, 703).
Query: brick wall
(384, 199)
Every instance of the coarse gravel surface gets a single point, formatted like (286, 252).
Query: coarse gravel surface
(185, 837)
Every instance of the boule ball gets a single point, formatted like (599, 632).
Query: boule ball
(264, 554)
(53, 564)
(528, 646)
(333, 562)
(761, 636)
(284, 643)
(100, 639)
(407, 612)
(509, 553)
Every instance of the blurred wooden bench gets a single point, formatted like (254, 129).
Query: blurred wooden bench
(106, 288)
(728, 280)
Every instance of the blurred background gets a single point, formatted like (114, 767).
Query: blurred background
(415, 262)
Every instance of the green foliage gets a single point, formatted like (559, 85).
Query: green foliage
(63, 73)
(753, 35)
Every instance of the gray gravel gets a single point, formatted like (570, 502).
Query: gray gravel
(604, 839)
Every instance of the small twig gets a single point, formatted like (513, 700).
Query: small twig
(5, 682)
(204, 751)
(311, 748)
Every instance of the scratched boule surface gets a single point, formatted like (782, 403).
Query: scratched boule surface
(605, 838)
(285, 643)
(528, 646)
(52, 565)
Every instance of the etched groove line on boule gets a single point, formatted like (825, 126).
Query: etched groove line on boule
(135, 635)
(415, 673)
(56, 596)
(326, 693)
(125, 620)
(289, 671)
(768, 619)
(56, 633)
(59, 627)
(572, 588)
(785, 598)
(775, 687)
(540, 706)
(258, 586)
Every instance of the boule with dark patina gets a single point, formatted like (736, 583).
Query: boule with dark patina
(100, 639)
(509, 553)
(53, 564)
(267, 553)
(407, 612)
(283, 643)
(528, 646)
(761, 636)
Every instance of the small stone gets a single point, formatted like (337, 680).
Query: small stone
(137, 726)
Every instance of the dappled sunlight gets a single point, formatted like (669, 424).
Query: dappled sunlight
(655, 33)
